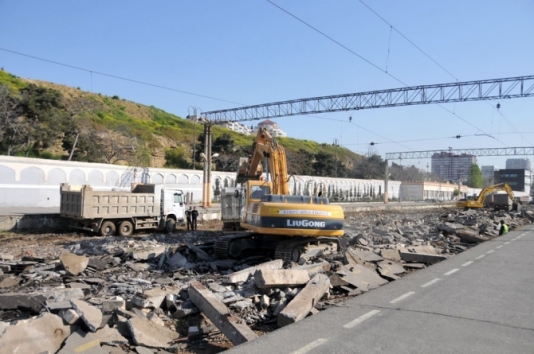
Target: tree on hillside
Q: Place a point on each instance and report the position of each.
(406, 173)
(370, 167)
(324, 164)
(11, 128)
(475, 179)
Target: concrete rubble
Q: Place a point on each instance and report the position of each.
(167, 293)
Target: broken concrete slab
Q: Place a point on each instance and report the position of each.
(243, 275)
(70, 316)
(470, 235)
(156, 296)
(362, 277)
(90, 315)
(391, 254)
(81, 342)
(13, 301)
(201, 254)
(146, 333)
(63, 294)
(279, 278)
(390, 269)
(421, 257)
(109, 306)
(108, 335)
(72, 263)
(177, 261)
(301, 305)
(147, 253)
(42, 334)
(232, 327)
(315, 268)
(9, 282)
(364, 255)
(58, 305)
(414, 265)
(79, 285)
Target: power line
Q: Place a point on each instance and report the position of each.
(119, 77)
(412, 43)
(336, 42)
(374, 65)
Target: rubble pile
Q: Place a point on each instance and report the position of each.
(168, 293)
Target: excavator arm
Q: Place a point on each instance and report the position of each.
(251, 168)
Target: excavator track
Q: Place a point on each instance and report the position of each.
(287, 249)
(222, 247)
(292, 249)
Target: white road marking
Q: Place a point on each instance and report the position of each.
(433, 281)
(499, 246)
(467, 263)
(481, 256)
(507, 242)
(491, 251)
(310, 346)
(402, 297)
(361, 319)
(451, 271)
(512, 239)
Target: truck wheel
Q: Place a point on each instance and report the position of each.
(170, 226)
(108, 229)
(126, 228)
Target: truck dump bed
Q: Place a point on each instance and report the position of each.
(86, 203)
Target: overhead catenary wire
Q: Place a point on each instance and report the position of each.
(373, 64)
(120, 77)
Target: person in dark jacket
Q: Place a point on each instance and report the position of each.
(504, 228)
(194, 216)
(188, 216)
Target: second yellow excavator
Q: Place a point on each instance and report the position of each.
(271, 219)
(479, 202)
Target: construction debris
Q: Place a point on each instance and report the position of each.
(168, 293)
(301, 305)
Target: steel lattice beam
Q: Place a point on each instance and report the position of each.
(511, 87)
(477, 152)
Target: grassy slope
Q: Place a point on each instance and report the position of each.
(155, 127)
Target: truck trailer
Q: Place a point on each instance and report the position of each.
(145, 206)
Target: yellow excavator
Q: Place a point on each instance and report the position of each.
(272, 220)
(479, 202)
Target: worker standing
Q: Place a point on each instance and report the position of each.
(188, 216)
(504, 228)
(194, 215)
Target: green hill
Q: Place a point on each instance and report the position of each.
(43, 119)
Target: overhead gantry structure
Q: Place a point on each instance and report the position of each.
(510, 87)
(508, 151)
(492, 89)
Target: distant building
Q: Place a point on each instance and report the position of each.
(237, 127)
(488, 174)
(451, 167)
(272, 128)
(518, 164)
(519, 179)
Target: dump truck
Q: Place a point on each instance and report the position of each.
(502, 201)
(145, 206)
(271, 219)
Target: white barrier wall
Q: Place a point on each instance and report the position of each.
(30, 182)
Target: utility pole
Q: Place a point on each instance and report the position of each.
(206, 186)
(386, 180)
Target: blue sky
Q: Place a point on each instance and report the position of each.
(251, 52)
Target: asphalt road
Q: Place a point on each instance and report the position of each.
(480, 301)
